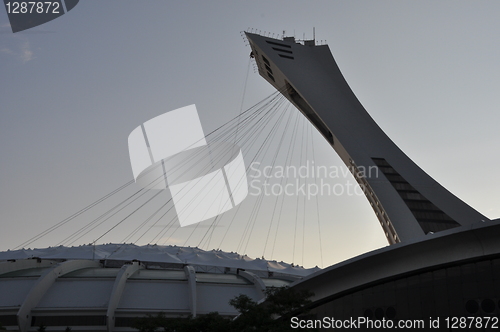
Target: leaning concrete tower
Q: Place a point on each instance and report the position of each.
(407, 201)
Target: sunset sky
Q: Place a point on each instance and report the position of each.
(73, 89)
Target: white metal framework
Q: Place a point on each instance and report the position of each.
(59, 287)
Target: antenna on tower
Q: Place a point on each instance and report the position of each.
(314, 34)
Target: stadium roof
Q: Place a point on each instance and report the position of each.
(159, 254)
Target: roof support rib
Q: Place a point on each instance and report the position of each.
(191, 277)
(121, 279)
(43, 284)
(256, 280)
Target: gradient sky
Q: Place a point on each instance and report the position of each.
(73, 89)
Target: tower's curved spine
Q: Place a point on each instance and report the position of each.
(407, 201)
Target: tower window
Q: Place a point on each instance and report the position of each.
(278, 44)
(265, 60)
(281, 50)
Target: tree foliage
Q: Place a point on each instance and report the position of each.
(271, 316)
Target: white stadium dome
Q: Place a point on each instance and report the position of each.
(106, 287)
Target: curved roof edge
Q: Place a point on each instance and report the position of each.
(439, 249)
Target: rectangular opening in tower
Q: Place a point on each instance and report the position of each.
(429, 216)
